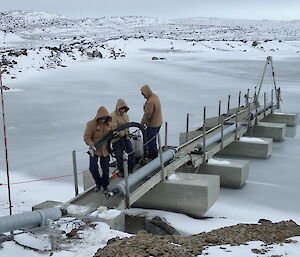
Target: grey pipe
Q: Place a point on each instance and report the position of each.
(30, 219)
(261, 109)
(216, 138)
(144, 171)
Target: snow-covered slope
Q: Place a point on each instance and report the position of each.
(40, 25)
(38, 40)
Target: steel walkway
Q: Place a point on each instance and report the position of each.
(185, 153)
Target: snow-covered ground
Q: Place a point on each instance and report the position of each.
(47, 109)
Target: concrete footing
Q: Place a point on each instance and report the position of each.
(290, 119)
(249, 147)
(192, 194)
(114, 218)
(46, 204)
(276, 131)
(233, 173)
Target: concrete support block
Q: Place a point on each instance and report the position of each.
(192, 194)
(190, 135)
(46, 204)
(276, 131)
(114, 218)
(290, 119)
(233, 173)
(249, 147)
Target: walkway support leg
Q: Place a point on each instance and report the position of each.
(125, 167)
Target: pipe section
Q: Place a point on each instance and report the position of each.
(261, 109)
(144, 171)
(215, 138)
(30, 219)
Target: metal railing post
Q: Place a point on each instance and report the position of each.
(236, 115)
(5, 142)
(75, 172)
(256, 114)
(187, 126)
(204, 136)
(162, 166)
(249, 111)
(125, 168)
(219, 111)
(272, 100)
(278, 97)
(222, 131)
(265, 103)
(166, 134)
(228, 104)
(236, 124)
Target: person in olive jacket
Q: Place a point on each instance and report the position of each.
(96, 129)
(152, 119)
(122, 141)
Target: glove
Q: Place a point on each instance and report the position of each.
(116, 133)
(143, 124)
(92, 150)
(130, 135)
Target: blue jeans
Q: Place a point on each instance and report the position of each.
(152, 145)
(119, 147)
(94, 169)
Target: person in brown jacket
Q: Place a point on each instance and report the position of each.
(152, 119)
(122, 142)
(96, 129)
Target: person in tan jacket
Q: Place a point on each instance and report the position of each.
(97, 129)
(122, 142)
(152, 119)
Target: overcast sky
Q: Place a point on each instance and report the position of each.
(248, 9)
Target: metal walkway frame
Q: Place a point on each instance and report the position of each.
(184, 154)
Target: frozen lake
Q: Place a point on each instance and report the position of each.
(47, 111)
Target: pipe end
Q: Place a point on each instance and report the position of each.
(64, 212)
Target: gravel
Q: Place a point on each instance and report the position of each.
(145, 244)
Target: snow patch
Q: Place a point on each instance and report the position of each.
(77, 209)
(251, 140)
(218, 162)
(173, 177)
(29, 240)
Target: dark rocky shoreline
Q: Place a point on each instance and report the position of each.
(145, 244)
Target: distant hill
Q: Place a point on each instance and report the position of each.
(44, 26)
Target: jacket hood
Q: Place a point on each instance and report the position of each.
(102, 111)
(121, 103)
(146, 91)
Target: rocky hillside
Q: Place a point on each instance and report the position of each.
(39, 40)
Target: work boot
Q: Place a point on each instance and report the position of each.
(105, 190)
(97, 188)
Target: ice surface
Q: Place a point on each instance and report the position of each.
(46, 113)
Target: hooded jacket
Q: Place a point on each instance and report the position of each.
(96, 130)
(120, 119)
(152, 108)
